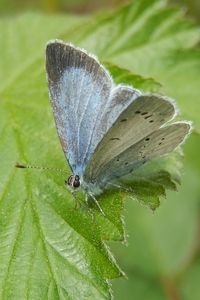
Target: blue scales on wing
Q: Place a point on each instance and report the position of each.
(85, 101)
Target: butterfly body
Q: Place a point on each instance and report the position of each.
(106, 130)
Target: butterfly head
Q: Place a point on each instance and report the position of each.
(73, 181)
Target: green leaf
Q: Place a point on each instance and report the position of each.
(50, 249)
(122, 75)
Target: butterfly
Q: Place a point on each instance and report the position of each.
(106, 130)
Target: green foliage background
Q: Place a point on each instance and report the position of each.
(44, 252)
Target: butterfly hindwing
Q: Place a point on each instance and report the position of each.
(143, 116)
(160, 142)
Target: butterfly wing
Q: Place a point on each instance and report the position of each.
(82, 94)
(143, 116)
(159, 142)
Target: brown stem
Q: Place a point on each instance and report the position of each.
(170, 288)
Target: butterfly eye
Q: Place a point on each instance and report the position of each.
(73, 181)
(76, 182)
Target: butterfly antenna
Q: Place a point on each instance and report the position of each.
(21, 166)
(97, 203)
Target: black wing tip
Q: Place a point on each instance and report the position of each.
(56, 43)
(57, 57)
(60, 55)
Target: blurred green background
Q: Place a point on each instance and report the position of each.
(53, 6)
(81, 6)
(162, 258)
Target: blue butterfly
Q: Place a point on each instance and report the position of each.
(106, 130)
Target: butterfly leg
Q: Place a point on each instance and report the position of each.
(89, 209)
(97, 203)
(78, 203)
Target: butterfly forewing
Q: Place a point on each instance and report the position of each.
(79, 87)
(143, 116)
(84, 99)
